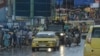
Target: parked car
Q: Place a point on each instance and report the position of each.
(92, 44)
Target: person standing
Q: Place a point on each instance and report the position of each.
(30, 36)
(14, 39)
(1, 38)
(6, 39)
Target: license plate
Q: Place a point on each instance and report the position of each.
(42, 45)
(42, 49)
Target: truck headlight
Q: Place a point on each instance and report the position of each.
(61, 34)
(34, 41)
(51, 41)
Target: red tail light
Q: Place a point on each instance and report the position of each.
(89, 40)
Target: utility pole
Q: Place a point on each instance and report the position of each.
(66, 11)
(14, 4)
(59, 10)
(9, 10)
(32, 12)
(13, 12)
(53, 9)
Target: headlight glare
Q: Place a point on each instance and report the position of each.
(61, 34)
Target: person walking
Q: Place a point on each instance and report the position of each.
(14, 39)
(11, 38)
(25, 33)
(18, 35)
(6, 39)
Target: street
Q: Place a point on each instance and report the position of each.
(39, 27)
(63, 51)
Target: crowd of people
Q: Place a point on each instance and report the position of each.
(80, 15)
(15, 37)
(77, 14)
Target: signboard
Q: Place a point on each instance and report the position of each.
(21, 18)
(22, 7)
(59, 2)
(42, 8)
(94, 5)
(79, 3)
(97, 1)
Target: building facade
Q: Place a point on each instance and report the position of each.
(3, 18)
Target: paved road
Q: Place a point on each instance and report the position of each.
(64, 51)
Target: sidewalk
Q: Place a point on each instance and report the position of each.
(2, 48)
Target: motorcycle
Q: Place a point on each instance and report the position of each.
(77, 38)
(68, 41)
(62, 38)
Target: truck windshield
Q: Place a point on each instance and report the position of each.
(44, 36)
(96, 32)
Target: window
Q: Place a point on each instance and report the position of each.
(96, 32)
(45, 35)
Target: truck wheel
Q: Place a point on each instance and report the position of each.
(69, 45)
(77, 43)
(33, 49)
(37, 49)
(55, 48)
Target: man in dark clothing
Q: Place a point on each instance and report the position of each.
(14, 39)
(77, 31)
(1, 38)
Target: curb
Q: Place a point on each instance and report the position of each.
(5, 48)
(2, 48)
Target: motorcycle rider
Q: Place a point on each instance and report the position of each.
(77, 35)
(69, 38)
(62, 40)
